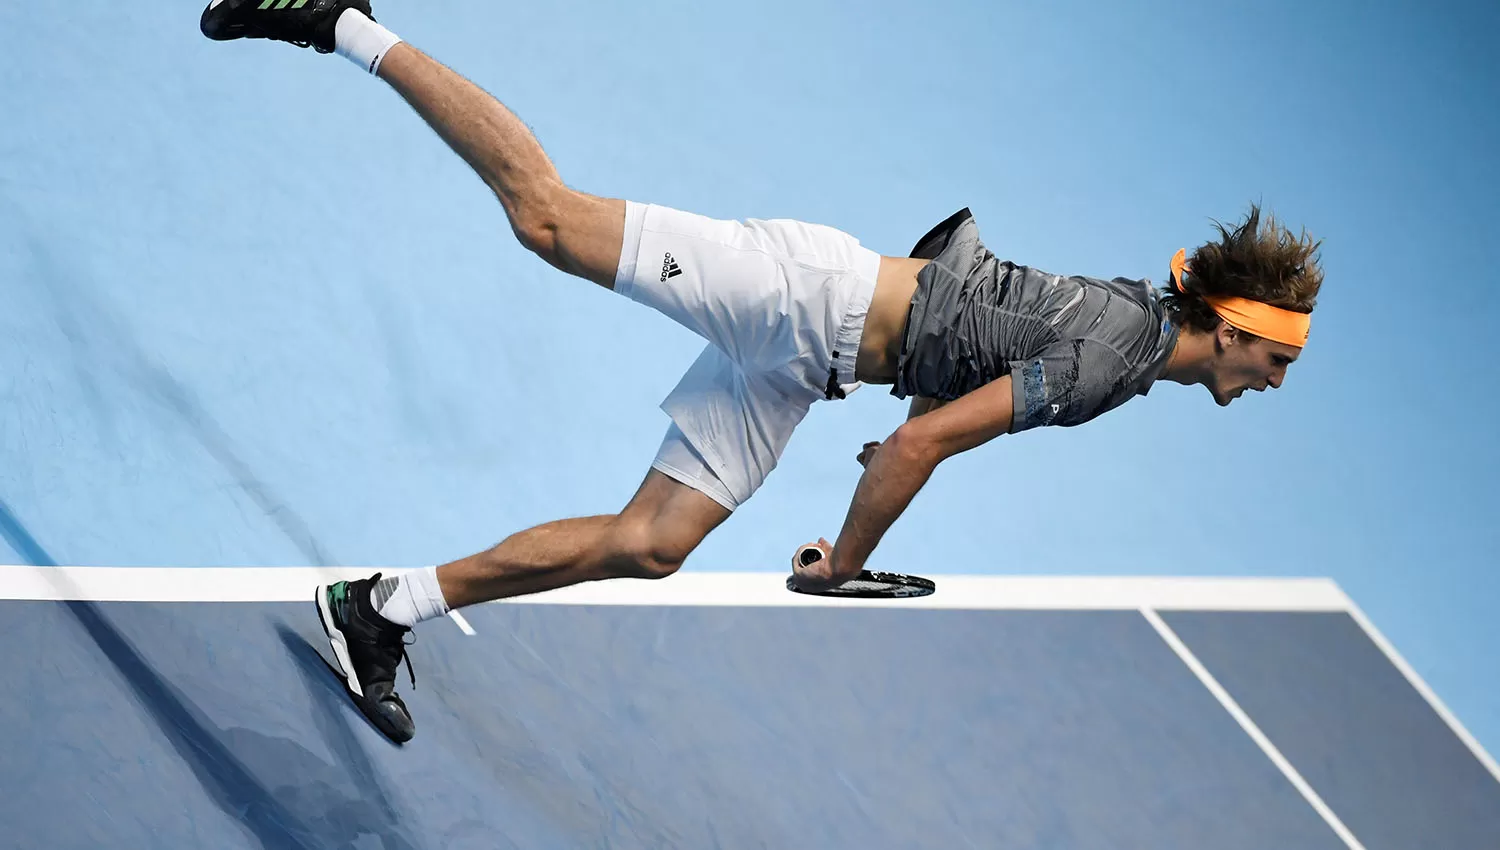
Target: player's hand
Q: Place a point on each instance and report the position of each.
(812, 565)
(868, 453)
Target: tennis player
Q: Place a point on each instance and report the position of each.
(792, 314)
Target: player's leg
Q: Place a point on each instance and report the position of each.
(728, 281)
(650, 538)
(728, 432)
(576, 232)
(573, 231)
(751, 288)
(367, 620)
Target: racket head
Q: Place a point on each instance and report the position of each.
(873, 585)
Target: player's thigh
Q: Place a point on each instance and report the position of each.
(727, 434)
(734, 424)
(763, 292)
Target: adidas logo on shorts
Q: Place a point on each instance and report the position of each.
(669, 268)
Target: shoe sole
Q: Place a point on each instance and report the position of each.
(337, 642)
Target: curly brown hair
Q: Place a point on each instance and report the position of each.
(1258, 260)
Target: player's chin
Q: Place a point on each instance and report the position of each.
(1226, 399)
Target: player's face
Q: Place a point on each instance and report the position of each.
(1245, 363)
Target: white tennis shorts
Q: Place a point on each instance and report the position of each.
(782, 306)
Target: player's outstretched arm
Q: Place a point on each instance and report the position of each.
(902, 466)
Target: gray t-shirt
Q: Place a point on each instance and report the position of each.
(1075, 347)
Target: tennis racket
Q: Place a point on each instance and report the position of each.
(867, 585)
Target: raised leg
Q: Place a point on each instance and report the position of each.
(576, 232)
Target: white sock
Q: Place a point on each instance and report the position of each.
(409, 598)
(361, 40)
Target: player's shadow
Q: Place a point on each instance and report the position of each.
(331, 713)
(283, 795)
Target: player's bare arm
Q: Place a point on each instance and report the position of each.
(920, 405)
(902, 466)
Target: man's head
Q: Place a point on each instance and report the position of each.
(1243, 361)
(1257, 275)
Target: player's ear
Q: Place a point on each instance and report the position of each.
(1228, 336)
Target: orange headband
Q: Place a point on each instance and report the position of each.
(1273, 323)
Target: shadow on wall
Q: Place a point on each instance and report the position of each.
(101, 343)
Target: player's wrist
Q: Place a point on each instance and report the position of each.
(843, 565)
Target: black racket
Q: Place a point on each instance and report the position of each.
(867, 585)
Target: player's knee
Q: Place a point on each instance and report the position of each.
(655, 562)
(642, 550)
(535, 230)
(536, 218)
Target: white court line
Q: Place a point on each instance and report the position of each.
(294, 584)
(1250, 728)
(1422, 688)
(463, 624)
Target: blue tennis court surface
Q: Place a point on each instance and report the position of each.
(193, 708)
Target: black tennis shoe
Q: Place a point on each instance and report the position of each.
(305, 23)
(367, 648)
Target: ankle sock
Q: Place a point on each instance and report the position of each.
(361, 40)
(409, 598)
